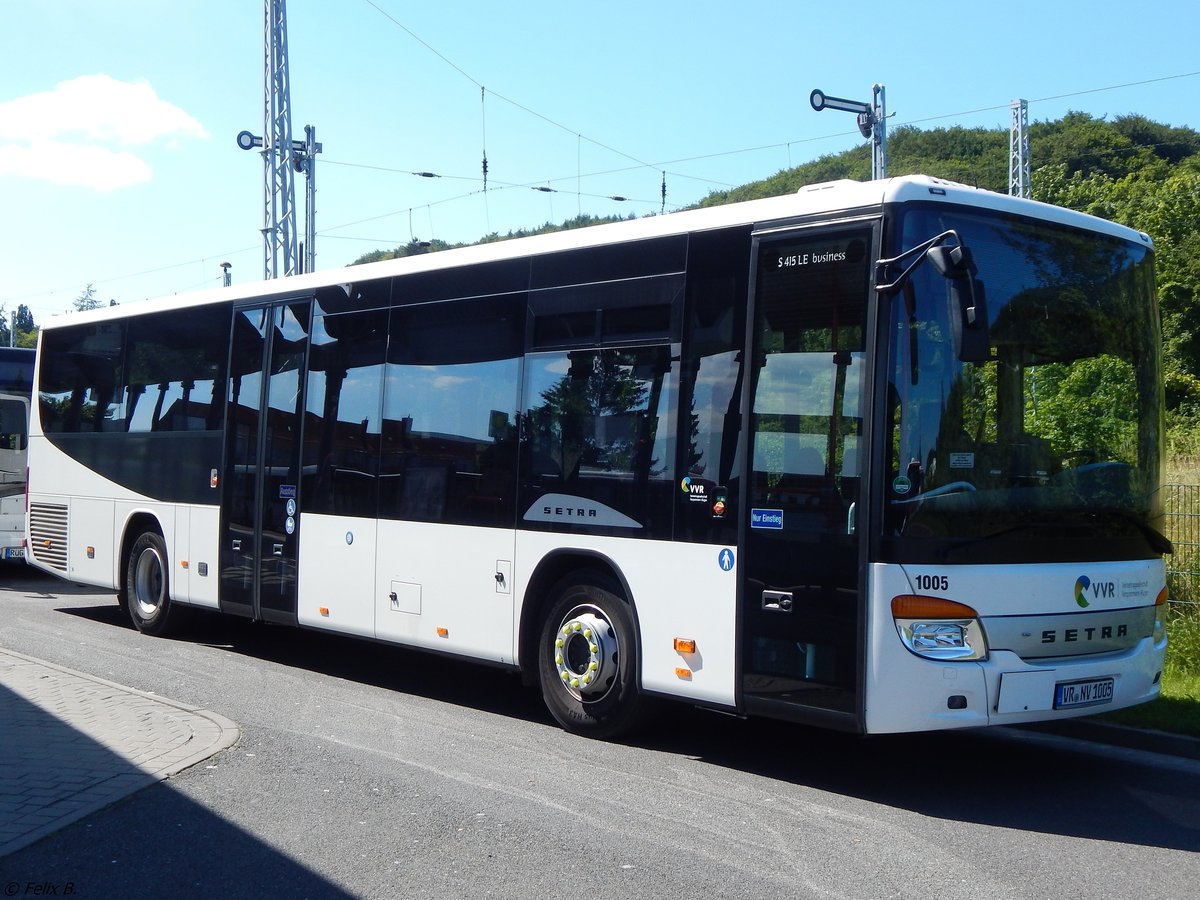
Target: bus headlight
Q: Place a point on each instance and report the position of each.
(939, 629)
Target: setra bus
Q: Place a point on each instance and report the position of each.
(16, 383)
(881, 457)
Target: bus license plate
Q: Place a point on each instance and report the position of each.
(1083, 693)
(14, 552)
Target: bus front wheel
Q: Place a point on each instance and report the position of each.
(147, 585)
(587, 659)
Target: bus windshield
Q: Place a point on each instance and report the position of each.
(1049, 447)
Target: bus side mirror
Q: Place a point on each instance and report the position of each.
(968, 305)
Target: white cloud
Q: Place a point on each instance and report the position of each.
(79, 133)
(71, 164)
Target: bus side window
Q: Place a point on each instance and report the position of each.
(450, 392)
(600, 426)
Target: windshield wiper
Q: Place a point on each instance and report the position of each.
(1158, 541)
(985, 538)
(1155, 538)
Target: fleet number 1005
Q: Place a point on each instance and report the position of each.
(933, 583)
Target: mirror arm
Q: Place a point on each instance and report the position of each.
(882, 266)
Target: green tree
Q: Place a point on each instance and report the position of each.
(87, 299)
(26, 331)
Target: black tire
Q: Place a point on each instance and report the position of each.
(147, 596)
(587, 659)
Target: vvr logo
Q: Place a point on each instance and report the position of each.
(1101, 590)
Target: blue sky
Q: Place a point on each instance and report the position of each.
(119, 166)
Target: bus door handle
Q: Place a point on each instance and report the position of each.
(236, 545)
(777, 601)
(277, 549)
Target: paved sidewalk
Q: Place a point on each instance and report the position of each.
(71, 744)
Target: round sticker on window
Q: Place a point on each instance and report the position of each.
(901, 484)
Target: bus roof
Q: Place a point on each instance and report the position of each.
(829, 198)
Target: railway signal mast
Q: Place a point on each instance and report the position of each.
(872, 122)
(282, 157)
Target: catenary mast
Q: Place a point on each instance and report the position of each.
(1019, 183)
(282, 157)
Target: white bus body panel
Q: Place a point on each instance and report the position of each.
(442, 576)
(98, 515)
(202, 578)
(336, 572)
(906, 692)
(679, 590)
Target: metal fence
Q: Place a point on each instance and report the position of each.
(1183, 528)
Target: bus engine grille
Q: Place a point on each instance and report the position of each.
(48, 535)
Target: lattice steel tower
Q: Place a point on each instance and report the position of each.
(282, 157)
(1019, 183)
(279, 189)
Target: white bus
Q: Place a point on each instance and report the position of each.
(877, 456)
(16, 382)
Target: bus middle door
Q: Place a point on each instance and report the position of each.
(261, 480)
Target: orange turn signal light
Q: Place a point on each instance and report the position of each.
(915, 606)
(685, 645)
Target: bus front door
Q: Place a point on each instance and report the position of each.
(261, 481)
(801, 596)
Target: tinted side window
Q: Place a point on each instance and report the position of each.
(343, 414)
(176, 365)
(81, 378)
(628, 311)
(13, 433)
(655, 256)
(714, 331)
(599, 441)
(16, 370)
(507, 276)
(450, 412)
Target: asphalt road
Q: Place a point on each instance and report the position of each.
(366, 770)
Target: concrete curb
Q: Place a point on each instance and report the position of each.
(74, 743)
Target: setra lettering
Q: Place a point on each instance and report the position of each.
(568, 512)
(1072, 635)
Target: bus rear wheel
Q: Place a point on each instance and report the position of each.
(147, 586)
(587, 659)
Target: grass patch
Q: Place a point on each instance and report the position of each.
(1177, 710)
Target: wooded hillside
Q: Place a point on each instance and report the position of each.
(1129, 170)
